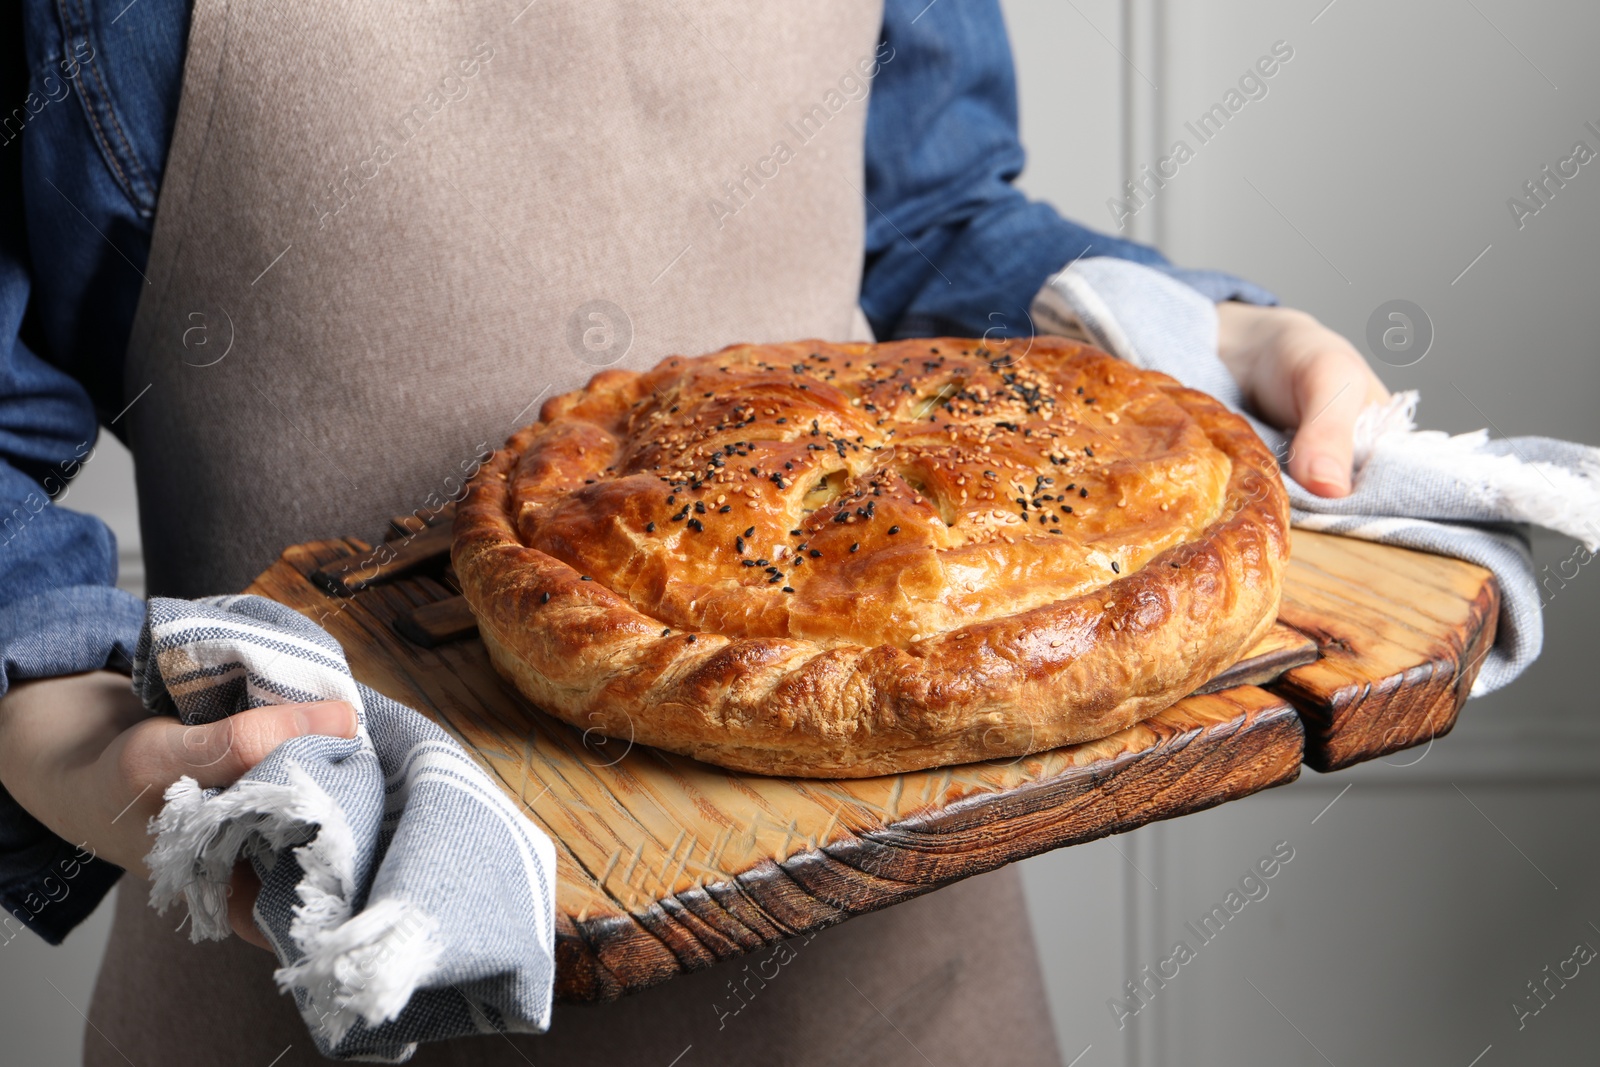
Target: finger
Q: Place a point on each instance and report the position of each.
(1329, 393)
(216, 754)
(242, 891)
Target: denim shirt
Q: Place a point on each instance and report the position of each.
(90, 97)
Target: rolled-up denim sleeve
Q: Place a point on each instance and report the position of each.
(953, 246)
(60, 610)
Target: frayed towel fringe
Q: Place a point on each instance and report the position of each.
(364, 965)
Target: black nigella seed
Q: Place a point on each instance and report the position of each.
(691, 639)
(697, 526)
(794, 533)
(749, 563)
(667, 631)
(1083, 492)
(738, 545)
(815, 554)
(649, 527)
(724, 509)
(699, 507)
(755, 470)
(775, 578)
(855, 546)
(1088, 451)
(585, 578)
(544, 598)
(788, 589)
(1114, 568)
(671, 500)
(1067, 508)
(750, 532)
(761, 563)
(894, 529)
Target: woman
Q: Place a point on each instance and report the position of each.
(307, 259)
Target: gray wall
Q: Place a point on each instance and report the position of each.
(1418, 905)
(1377, 166)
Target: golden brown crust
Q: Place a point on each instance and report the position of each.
(848, 560)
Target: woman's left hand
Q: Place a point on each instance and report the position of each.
(1301, 376)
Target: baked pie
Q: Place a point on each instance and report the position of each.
(843, 560)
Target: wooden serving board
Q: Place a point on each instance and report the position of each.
(667, 865)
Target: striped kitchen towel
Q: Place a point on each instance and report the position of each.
(1464, 496)
(407, 897)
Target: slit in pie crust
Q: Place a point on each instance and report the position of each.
(843, 560)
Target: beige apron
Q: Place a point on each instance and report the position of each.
(386, 232)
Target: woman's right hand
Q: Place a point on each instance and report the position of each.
(83, 756)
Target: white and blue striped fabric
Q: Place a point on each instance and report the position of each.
(407, 897)
(1464, 496)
